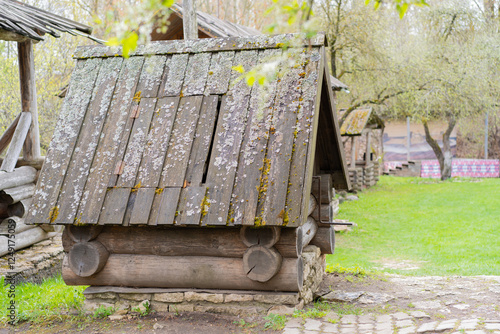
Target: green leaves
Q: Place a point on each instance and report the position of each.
(401, 5)
(136, 24)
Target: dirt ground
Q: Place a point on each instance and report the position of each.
(439, 297)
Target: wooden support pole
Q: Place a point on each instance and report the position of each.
(19, 209)
(31, 148)
(14, 195)
(308, 232)
(8, 134)
(203, 272)
(16, 144)
(25, 239)
(313, 204)
(37, 164)
(368, 148)
(353, 152)
(190, 24)
(19, 177)
(19, 224)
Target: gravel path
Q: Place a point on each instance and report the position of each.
(403, 305)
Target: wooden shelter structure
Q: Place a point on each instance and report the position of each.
(169, 171)
(360, 123)
(25, 25)
(209, 26)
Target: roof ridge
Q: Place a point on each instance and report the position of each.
(257, 42)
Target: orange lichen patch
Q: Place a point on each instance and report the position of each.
(54, 212)
(137, 97)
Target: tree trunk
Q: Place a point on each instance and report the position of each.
(443, 155)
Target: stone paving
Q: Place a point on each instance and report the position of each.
(396, 323)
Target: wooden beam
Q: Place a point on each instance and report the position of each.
(353, 152)
(16, 145)
(190, 25)
(8, 134)
(31, 149)
(202, 272)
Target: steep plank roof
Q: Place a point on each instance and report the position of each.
(355, 122)
(175, 137)
(19, 21)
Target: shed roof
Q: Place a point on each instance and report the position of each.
(211, 25)
(355, 122)
(337, 84)
(176, 138)
(20, 21)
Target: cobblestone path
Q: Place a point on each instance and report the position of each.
(396, 323)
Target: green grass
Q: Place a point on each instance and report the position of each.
(444, 228)
(50, 300)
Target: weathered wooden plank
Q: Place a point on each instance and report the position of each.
(44, 209)
(8, 134)
(181, 141)
(196, 74)
(254, 147)
(219, 73)
(151, 76)
(227, 143)
(18, 177)
(81, 161)
(157, 142)
(173, 76)
(314, 96)
(300, 157)
(197, 165)
(142, 206)
(163, 211)
(205, 45)
(16, 145)
(114, 207)
(191, 205)
(117, 124)
(280, 145)
(137, 143)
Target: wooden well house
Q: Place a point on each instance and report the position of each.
(169, 171)
(361, 126)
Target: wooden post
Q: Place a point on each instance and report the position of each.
(368, 150)
(8, 134)
(486, 136)
(190, 25)
(408, 139)
(353, 152)
(31, 149)
(16, 145)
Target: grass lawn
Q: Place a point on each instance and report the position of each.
(41, 302)
(443, 228)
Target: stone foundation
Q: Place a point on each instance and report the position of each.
(234, 302)
(35, 263)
